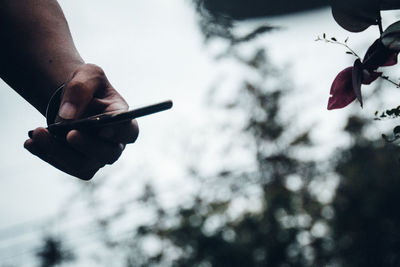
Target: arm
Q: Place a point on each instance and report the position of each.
(37, 53)
(36, 57)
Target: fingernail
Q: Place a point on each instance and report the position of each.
(67, 111)
(30, 134)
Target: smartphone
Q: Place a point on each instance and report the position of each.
(106, 119)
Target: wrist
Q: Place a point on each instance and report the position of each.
(59, 73)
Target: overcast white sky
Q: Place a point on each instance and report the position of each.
(152, 50)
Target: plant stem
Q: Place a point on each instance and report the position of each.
(343, 44)
(379, 21)
(389, 80)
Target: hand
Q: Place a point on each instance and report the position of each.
(82, 154)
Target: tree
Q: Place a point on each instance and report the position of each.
(53, 253)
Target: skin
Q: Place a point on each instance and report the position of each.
(36, 57)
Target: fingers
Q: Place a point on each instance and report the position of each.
(83, 154)
(61, 155)
(96, 148)
(125, 133)
(79, 91)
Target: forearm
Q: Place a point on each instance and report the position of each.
(37, 53)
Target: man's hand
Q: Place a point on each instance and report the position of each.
(82, 154)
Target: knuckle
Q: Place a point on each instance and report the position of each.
(96, 71)
(95, 68)
(77, 85)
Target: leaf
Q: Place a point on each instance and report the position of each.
(396, 130)
(392, 42)
(324, 36)
(369, 77)
(377, 55)
(355, 16)
(342, 93)
(334, 39)
(391, 60)
(357, 76)
(372, 49)
(391, 37)
(393, 28)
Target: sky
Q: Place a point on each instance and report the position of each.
(152, 50)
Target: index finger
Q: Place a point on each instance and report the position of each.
(79, 92)
(125, 132)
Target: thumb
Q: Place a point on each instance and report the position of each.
(78, 93)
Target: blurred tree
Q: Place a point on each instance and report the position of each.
(53, 253)
(287, 222)
(365, 227)
(277, 223)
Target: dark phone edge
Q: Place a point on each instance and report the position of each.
(130, 115)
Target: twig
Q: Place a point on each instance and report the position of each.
(379, 22)
(333, 40)
(389, 80)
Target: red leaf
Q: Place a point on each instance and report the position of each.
(342, 92)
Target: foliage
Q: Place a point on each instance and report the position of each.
(356, 16)
(277, 232)
(52, 253)
(365, 225)
(347, 85)
(292, 225)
